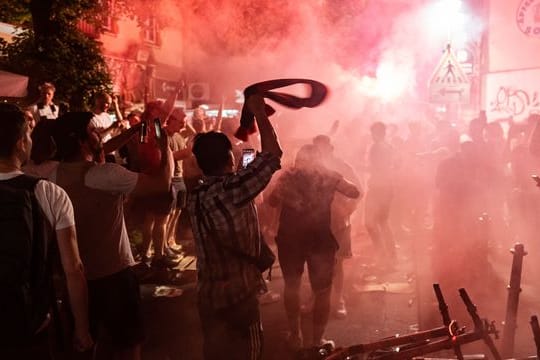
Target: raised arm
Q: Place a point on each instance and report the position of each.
(120, 140)
(116, 109)
(168, 107)
(269, 140)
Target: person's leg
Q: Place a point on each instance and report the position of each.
(234, 332)
(147, 229)
(172, 223)
(371, 222)
(321, 270)
(158, 235)
(343, 237)
(291, 262)
(340, 309)
(387, 237)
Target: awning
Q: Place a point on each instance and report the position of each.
(12, 85)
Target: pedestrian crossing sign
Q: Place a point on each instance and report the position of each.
(449, 84)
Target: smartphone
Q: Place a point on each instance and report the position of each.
(536, 178)
(143, 133)
(248, 155)
(157, 126)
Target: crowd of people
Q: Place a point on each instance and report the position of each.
(93, 178)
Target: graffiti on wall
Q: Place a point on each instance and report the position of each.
(515, 102)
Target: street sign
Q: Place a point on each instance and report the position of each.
(449, 83)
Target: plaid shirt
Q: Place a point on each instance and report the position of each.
(226, 231)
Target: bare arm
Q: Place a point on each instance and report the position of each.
(168, 107)
(116, 109)
(182, 154)
(269, 141)
(219, 120)
(160, 182)
(76, 284)
(348, 189)
(118, 141)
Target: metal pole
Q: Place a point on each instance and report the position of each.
(512, 303)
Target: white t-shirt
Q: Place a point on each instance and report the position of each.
(46, 111)
(53, 200)
(102, 121)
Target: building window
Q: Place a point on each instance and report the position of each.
(108, 17)
(151, 30)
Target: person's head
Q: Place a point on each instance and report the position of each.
(134, 118)
(476, 130)
(176, 121)
(15, 140)
(46, 92)
(199, 113)
(102, 102)
(44, 145)
(324, 144)
(30, 118)
(378, 131)
(77, 138)
(152, 110)
(213, 151)
(307, 157)
(198, 125)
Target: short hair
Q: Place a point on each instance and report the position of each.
(46, 86)
(13, 127)
(102, 95)
(211, 150)
(378, 128)
(71, 129)
(322, 139)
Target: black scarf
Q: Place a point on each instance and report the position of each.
(247, 120)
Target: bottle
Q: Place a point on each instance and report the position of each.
(143, 133)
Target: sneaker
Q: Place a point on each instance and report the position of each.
(170, 253)
(341, 310)
(176, 248)
(326, 347)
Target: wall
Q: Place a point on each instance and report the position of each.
(512, 81)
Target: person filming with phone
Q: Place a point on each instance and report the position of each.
(227, 236)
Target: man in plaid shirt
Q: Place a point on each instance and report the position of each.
(227, 236)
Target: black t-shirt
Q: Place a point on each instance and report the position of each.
(305, 213)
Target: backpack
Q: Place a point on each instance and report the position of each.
(25, 281)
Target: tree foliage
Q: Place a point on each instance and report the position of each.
(52, 48)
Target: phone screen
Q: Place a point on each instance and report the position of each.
(157, 126)
(248, 155)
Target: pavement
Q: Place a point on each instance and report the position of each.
(380, 305)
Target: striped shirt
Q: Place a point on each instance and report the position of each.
(226, 230)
